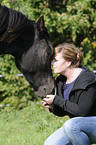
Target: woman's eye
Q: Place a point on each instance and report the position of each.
(56, 60)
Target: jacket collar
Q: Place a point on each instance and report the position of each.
(84, 79)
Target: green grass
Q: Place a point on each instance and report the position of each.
(29, 126)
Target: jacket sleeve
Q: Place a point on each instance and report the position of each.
(57, 111)
(82, 107)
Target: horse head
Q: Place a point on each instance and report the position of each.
(28, 41)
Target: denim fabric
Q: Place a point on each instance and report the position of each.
(81, 130)
(76, 131)
(57, 138)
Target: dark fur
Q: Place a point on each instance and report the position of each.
(29, 43)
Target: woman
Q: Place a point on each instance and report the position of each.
(75, 96)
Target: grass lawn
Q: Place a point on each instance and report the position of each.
(29, 126)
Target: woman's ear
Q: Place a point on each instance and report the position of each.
(68, 63)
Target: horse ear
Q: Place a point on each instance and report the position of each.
(40, 23)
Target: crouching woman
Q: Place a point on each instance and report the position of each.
(75, 96)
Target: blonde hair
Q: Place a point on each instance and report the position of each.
(70, 53)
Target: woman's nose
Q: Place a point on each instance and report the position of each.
(52, 63)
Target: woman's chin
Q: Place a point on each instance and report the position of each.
(56, 72)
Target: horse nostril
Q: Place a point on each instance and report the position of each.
(44, 89)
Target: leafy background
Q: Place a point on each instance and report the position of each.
(74, 22)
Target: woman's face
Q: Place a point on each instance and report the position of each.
(59, 64)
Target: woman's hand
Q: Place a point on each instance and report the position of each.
(49, 99)
(47, 102)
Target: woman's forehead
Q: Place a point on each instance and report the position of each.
(58, 55)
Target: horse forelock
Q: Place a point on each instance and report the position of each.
(12, 23)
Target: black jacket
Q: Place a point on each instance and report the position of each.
(82, 98)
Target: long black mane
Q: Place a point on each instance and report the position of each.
(12, 23)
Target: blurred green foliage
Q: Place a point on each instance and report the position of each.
(75, 22)
(14, 90)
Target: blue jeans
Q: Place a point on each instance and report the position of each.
(76, 131)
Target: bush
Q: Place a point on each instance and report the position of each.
(14, 90)
(75, 22)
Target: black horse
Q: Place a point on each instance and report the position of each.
(29, 43)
